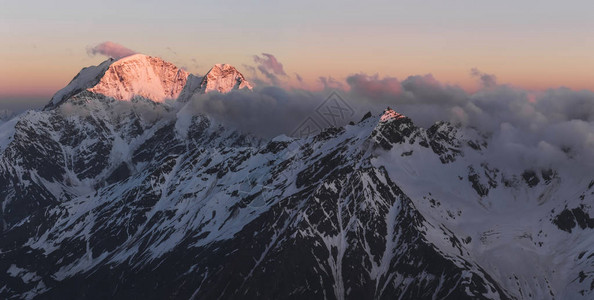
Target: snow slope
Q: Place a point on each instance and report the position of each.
(141, 75)
(86, 78)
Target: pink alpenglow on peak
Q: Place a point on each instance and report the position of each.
(151, 78)
(223, 78)
(141, 75)
(390, 114)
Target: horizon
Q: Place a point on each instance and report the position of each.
(261, 73)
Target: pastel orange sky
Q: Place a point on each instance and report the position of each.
(530, 45)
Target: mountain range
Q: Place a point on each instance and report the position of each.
(118, 189)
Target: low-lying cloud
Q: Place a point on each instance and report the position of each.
(487, 80)
(266, 111)
(524, 128)
(110, 49)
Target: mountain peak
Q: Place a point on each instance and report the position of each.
(223, 66)
(390, 114)
(141, 75)
(223, 78)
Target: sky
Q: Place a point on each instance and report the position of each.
(534, 45)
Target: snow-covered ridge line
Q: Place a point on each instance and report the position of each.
(86, 78)
(151, 78)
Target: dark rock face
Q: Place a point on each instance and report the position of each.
(394, 132)
(569, 218)
(530, 178)
(443, 141)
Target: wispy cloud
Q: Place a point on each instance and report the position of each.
(110, 49)
(487, 80)
(270, 64)
(270, 67)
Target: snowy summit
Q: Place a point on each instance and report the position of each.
(223, 78)
(149, 77)
(390, 114)
(142, 75)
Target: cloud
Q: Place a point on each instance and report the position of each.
(252, 75)
(144, 109)
(487, 80)
(110, 49)
(269, 75)
(269, 64)
(524, 130)
(250, 70)
(374, 87)
(266, 111)
(273, 110)
(330, 83)
(268, 71)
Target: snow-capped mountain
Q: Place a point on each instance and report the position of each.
(223, 78)
(102, 199)
(150, 78)
(141, 76)
(137, 75)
